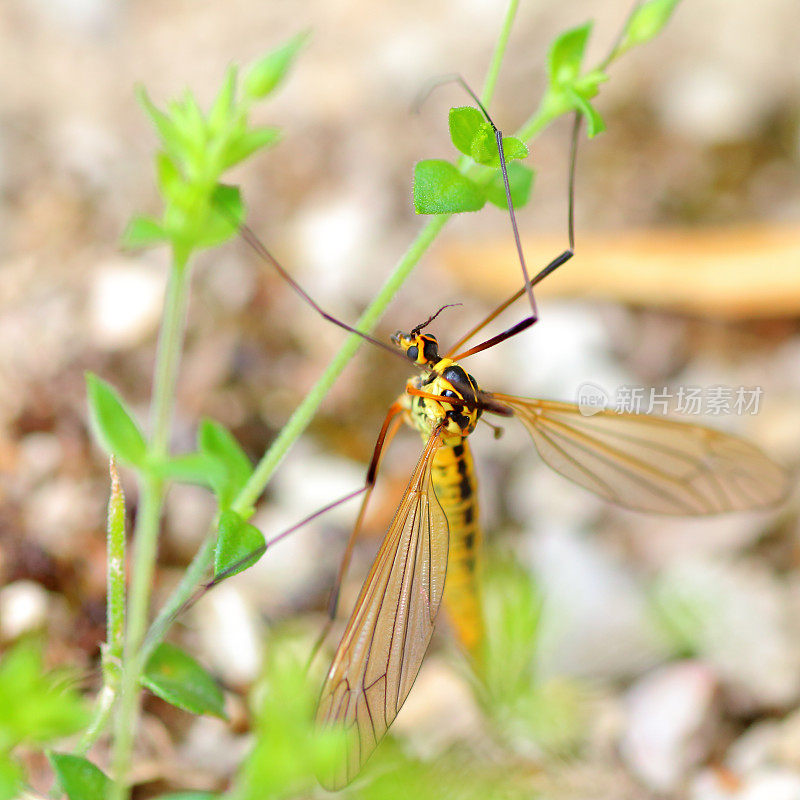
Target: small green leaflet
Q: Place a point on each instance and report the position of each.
(268, 73)
(484, 147)
(645, 23)
(464, 123)
(594, 122)
(239, 545)
(566, 54)
(520, 182)
(568, 88)
(196, 468)
(176, 677)
(113, 424)
(79, 778)
(439, 188)
(143, 231)
(248, 143)
(224, 217)
(233, 466)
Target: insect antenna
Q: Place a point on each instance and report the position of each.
(430, 319)
(260, 248)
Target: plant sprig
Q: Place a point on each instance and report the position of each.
(200, 211)
(443, 187)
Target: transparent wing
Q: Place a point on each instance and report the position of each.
(649, 463)
(388, 633)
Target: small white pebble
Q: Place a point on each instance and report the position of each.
(124, 303)
(23, 608)
(672, 718)
(231, 634)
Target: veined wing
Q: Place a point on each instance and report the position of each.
(388, 633)
(649, 463)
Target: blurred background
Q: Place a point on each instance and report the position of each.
(667, 651)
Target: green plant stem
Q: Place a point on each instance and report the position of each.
(168, 356)
(126, 721)
(499, 51)
(541, 118)
(101, 716)
(115, 613)
(147, 523)
(181, 594)
(115, 578)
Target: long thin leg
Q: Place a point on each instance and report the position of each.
(543, 273)
(384, 438)
(256, 554)
(551, 267)
(388, 430)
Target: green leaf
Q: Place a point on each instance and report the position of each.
(588, 85)
(566, 54)
(193, 121)
(143, 231)
(113, 425)
(514, 148)
(196, 468)
(439, 188)
(35, 705)
(239, 545)
(234, 467)
(464, 123)
(248, 143)
(170, 180)
(265, 75)
(11, 778)
(167, 131)
(177, 678)
(224, 105)
(594, 122)
(645, 23)
(79, 778)
(484, 147)
(520, 181)
(224, 217)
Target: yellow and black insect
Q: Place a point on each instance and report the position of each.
(640, 462)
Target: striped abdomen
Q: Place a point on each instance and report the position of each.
(454, 482)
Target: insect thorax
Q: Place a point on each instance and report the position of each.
(446, 380)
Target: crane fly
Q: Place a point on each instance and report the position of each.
(640, 462)
(645, 463)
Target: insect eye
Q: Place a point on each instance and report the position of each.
(412, 353)
(449, 393)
